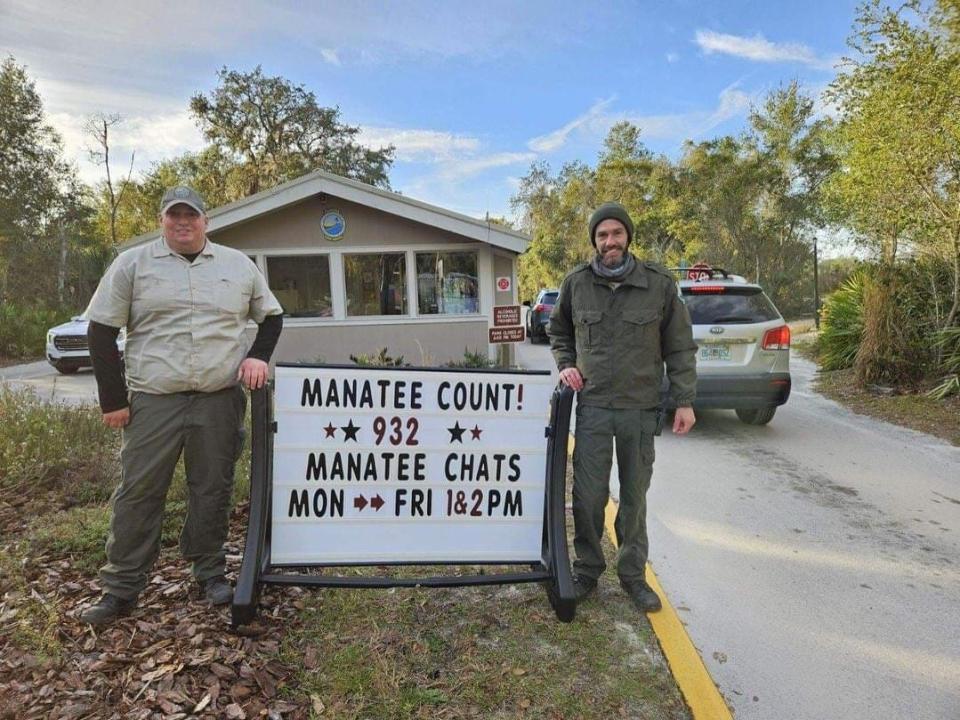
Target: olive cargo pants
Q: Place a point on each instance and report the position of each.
(592, 460)
(207, 428)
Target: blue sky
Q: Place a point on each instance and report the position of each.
(470, 93)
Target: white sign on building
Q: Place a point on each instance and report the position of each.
(374, 465)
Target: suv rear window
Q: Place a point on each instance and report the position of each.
(549, 298)
(732, 306)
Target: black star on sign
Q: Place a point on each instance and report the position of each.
(331, 430)
(350, 431)
(456, 432)
(476, 432)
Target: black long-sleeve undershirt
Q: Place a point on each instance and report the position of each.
(108, 367)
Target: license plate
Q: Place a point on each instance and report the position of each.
(715, 352)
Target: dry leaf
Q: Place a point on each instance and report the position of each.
(235, 712)
(317, 704)
(204, 701)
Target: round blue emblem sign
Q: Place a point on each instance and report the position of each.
(333, 225)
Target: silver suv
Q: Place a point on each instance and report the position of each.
(67, 345)
(743, 360)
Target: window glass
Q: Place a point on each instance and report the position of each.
(447, 283)
(741, 305)
(376, 284)
(302, 284)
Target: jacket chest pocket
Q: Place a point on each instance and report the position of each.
(641, 328)
(587, 328)
(157, 294)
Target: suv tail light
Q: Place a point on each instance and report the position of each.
(776, 338)
(539, 307)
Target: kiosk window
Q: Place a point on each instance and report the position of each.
(376, 284)
(302, 284)
(447, 283)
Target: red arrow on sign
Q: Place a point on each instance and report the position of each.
(376, 502)
(360, 502)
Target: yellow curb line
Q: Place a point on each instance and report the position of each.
(692, 677)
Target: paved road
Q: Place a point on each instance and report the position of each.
(814, 561)
(48, 384)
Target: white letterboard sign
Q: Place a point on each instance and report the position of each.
(397, 466)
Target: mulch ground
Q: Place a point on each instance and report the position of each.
(173, 657)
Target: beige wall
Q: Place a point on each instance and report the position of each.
(428, 340)
(298, 226)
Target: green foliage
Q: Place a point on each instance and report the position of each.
(55, 447)
(23, 329)
(841, 324)
(381, 359)
(473, 359)
(948, 344)
(276, 131)
(78, 534)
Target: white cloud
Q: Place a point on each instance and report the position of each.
(672, 57)
(760, 49)
(460, 169)
(330, 56)
(589, 121)
(430, 146)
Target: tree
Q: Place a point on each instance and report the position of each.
(274, 131)
(98, 128)
(900, 136)
(40, 199)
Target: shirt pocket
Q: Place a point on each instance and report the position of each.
(587, 328)
(641, 329)
(157, 294)
(232, 297)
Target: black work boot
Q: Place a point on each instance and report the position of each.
(216, 590)
(583, 587)
(642, 595)
(108, 608)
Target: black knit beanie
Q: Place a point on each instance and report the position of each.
(611, 211)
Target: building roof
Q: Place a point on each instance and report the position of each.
(317, 182)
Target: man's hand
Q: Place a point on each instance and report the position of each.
(683, 420)
(117, 419)
(253, 373)
(572, 378)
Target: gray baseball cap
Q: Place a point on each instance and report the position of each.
(181, 194)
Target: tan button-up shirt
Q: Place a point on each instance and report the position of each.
(185, 321)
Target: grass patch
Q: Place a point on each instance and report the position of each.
(940, 418)
(77, 534)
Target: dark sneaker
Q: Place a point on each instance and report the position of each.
(642, 595)
(216, 590)
(108, 608)
(583, 587)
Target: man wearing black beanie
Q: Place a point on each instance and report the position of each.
(617, 323)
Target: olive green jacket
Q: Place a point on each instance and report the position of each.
(620, 339)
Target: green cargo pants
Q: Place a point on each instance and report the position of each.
(207, 428)
(592, 460)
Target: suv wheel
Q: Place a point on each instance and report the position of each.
(65, 369)
(759, 416)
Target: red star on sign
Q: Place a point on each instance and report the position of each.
(331, 430)
(476, 432)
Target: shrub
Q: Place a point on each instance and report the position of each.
(55, 447)
(23, 329)
(472, 359)
(841, 327)
(381, 359)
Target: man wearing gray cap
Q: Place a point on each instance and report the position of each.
(617, 321)
(185, 303)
